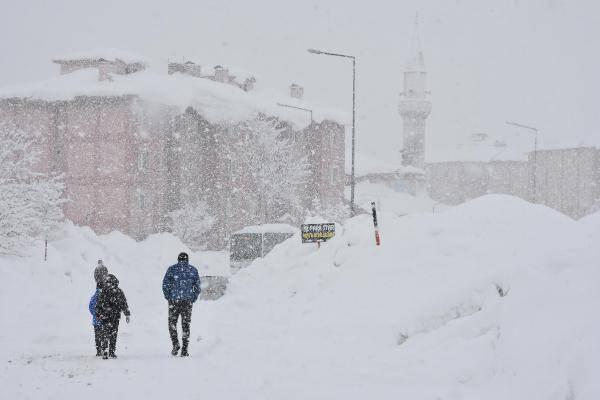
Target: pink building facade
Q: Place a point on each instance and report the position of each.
(127, 164)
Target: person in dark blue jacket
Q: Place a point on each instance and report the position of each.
(96, 322)
(181, 287)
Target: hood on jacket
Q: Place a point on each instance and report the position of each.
(112, 281)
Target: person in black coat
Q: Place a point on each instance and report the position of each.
(111, 303)
(181, 287)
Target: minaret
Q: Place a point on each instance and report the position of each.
(414, 105)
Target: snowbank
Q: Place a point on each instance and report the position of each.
(494, 299)
(389, 200)
(268, 228)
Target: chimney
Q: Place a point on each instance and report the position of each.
(175, 67)
(296, 91)
(188, 68)
(221, 74)
(192, 69)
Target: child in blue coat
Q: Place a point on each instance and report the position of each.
(96, 322)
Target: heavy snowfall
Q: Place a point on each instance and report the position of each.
(408, 210)
(495, 299)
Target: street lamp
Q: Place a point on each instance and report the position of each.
(535, 131)
(298, 108)
(352, 178)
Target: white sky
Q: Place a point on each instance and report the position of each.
(535, 62)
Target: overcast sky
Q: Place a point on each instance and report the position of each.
(535, 62)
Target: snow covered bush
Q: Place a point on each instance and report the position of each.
(191, 224)
(30, 202)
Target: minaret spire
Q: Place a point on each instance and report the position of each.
(414, 107)
(416, 61)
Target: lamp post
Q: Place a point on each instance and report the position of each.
(352, 178)
(535, 131)
(298, 108)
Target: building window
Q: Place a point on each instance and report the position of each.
(143, 160)
(141, 199)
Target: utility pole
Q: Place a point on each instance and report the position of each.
(352, 175)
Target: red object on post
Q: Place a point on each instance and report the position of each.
(377, 237)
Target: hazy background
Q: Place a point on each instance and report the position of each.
(536, 62)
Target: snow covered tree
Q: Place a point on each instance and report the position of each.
(335, 213)
(191, 224)
(278, 174)
(30, 202)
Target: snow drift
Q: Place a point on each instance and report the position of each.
(494, 299)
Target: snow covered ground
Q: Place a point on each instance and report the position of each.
(494, 299)
(389, 200)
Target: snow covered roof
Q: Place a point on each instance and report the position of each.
(108, 54)
(383, 167)
(482, 148)
(268, 228)
(466, 153)
(217, 102)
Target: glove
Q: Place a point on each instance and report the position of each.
(127, 318)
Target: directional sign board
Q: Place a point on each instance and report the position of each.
(314, 233)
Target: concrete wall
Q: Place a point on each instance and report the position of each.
(567, 180)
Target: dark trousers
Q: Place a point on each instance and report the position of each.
(98, 338)
(177, 308)
(108, 336)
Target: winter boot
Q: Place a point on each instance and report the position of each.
(105, 355)
(175, 350)
(184, 349)
(112, 355)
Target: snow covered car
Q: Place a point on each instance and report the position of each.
(256, 241)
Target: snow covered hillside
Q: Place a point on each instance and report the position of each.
(494, 299)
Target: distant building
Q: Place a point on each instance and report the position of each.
(296, 91)
(567, 180)
(106, 61)
(137, 148)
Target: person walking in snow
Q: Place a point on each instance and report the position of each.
(111, 303)
(181, 287)
(96, 322)
(100, 274)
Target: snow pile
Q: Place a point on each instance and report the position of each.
(268, 228)
(494, 299)
(392, 201)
